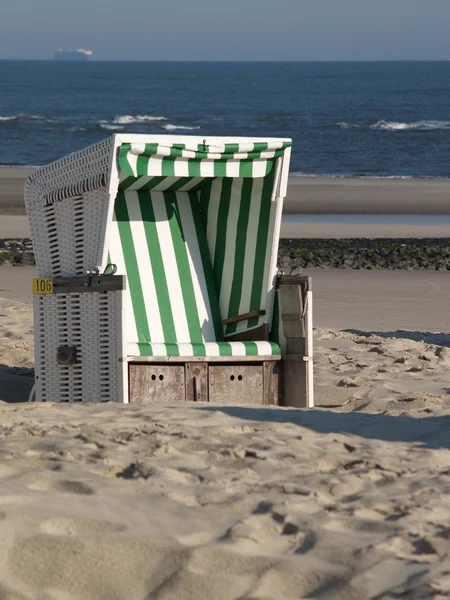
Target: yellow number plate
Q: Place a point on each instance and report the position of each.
(42, 286)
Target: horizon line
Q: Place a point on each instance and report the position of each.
(332, 60)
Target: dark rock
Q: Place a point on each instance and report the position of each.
(361, 253)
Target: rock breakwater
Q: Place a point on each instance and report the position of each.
(16, 251)
(358, 253)
(361, 253)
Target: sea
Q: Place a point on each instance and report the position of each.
(346, 119)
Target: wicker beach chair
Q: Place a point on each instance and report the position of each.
(156, 258)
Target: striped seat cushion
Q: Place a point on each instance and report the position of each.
(207, 349)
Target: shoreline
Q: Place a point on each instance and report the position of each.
(309, 197)
(306, 195)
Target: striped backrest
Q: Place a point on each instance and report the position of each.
(239, 218)
(158, 241)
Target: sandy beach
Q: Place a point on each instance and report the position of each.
(348, 501)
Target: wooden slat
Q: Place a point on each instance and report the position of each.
(244, 317)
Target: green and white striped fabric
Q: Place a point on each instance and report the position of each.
(162, 184)
(193, 230)
(239, 218)
(276, 332)
(207, 349)
(158, 241)
(247, 159)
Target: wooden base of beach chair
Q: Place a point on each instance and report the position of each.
(203, 381)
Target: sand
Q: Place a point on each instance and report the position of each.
(347, 501)
(114, 502)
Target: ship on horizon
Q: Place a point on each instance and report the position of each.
(79, 55)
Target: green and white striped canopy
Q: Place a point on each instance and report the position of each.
(193, 231)
(254, 159)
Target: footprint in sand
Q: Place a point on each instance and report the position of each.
(14, 500)
(7, 471)
(198, 538)
(78, 526)
(73, 487)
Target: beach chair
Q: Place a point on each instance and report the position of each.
(157, 280)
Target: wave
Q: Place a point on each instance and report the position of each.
(399, 126)
(119, 123)
(23, 117)
(417, 125)
(127, 119)
(110, 126)
(170, 127)
(344, 125)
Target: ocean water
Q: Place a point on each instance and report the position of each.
(346, 119)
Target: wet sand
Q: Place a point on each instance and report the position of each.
(311, 195)
(307, 195)
(12, 180)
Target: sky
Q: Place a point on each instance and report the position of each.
(227, 29)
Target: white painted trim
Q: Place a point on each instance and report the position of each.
(285, 172)
(139, 138)
(309, 350)
(112, 186)
(275, 243)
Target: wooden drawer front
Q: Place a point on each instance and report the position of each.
(156, 383)
(236, 384)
